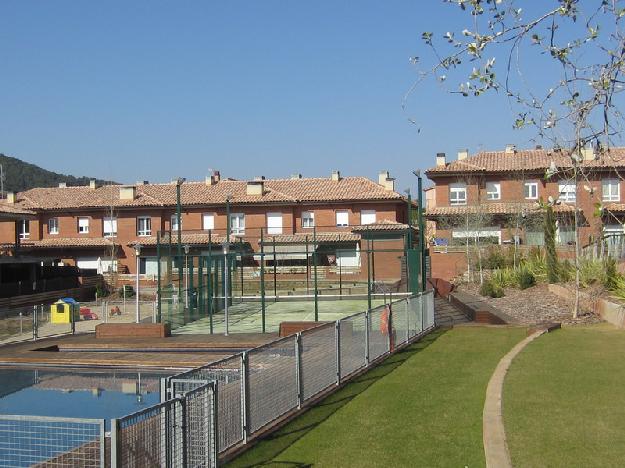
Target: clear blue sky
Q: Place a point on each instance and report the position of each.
(131, 90)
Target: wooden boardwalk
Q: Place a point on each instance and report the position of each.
(178, 351)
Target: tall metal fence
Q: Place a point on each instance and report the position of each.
(211, 410)
(52, 442)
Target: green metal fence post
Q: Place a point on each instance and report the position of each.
(262, 279)
(275, 271)
(369, 274)
(159, 273)
(421, 233)
(307, 268)
(315, 273)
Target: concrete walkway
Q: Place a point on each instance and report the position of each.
(446, 314)
(493, 431)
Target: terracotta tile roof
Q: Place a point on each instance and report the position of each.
(186, 238)
(10, 211)
(494, 208)
(383, 225)
(615, 207)
(536, 160)
(321, 237)
(60, 242)
(199, 193)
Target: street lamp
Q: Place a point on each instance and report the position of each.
(226, 249)
(186, 276)
(137, 256)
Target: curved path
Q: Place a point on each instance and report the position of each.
(493, 431)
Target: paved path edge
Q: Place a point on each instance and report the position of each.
(493, 431)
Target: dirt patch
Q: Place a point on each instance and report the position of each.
(535, 305)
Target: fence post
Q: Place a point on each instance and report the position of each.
(245, 387)
(102, 444)
(115, 461)
(154, 312)
(183, 431)
(35, 323)
(421, 301)
(391, 336)
(367, 330)
(298, 369)
(214, 452)
(337, 330)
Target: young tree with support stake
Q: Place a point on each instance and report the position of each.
(581, 52)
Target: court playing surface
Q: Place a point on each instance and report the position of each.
(246, 317)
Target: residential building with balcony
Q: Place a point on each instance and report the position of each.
(97, 227)
(496, 195)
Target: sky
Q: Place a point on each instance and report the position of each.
(154, 90)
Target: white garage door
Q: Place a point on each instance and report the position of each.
(87, 263)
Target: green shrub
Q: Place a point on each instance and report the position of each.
(591, 272)
(491, 289)
(503, 278)
(566, 271)
(610, 275)
(101, 290)
(525, 278)
(493, 258)
(130, 291)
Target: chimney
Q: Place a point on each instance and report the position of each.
(336, 175)
(62, 184)
(127, 192)
(213, 179)
(255, 187)
(539, 147)
(588, 153)
(142, 182)
(441, 160)
(92, 184)
(11, 197)
(385, 180)
(510, 149)
(296, 176)
(259, 178)
(463, 154)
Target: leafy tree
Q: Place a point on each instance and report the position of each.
(550, 245)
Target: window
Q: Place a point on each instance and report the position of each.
(83, 225)
(53, 226)
(530, 190)
(567, 192)
(208, 222)
(342, 218)
(109, 227)
(24, 231)
(237, 223)
(308, 219)
(610, 190)
(367, 217)
(493, 191)
(174, 222)
(144, 226)
(457, 194)
(274, 223)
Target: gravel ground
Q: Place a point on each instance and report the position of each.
(534, 305)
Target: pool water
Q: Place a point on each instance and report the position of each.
(80, 393)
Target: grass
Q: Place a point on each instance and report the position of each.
(421, 407)
(564, 403)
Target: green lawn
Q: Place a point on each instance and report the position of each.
(564, 399)
(421, 407)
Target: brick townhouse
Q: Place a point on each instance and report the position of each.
(495, 194)
(86, 226)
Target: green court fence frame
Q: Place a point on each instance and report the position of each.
(265, 266)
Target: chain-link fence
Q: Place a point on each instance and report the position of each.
(51, 442)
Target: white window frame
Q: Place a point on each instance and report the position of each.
(146, 229)
(24, 229)
(274, 223)
(567, 192)
(493, 190)
(53, 226)
(610, 195)
(237, 224)
(112, 220)
(367, 217)
(308, 219)
(531, 187)
(208, 221)
(173, 222)
(342, 214)
(83, 224)
(457, 189)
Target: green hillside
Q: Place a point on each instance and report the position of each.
(20, 175)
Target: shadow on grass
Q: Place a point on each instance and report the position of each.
(271, 446)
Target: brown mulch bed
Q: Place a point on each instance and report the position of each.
(535, 305)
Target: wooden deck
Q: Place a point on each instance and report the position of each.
(178, 351)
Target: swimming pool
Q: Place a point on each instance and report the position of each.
(78, 393)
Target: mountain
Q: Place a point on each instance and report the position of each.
(20, 175)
